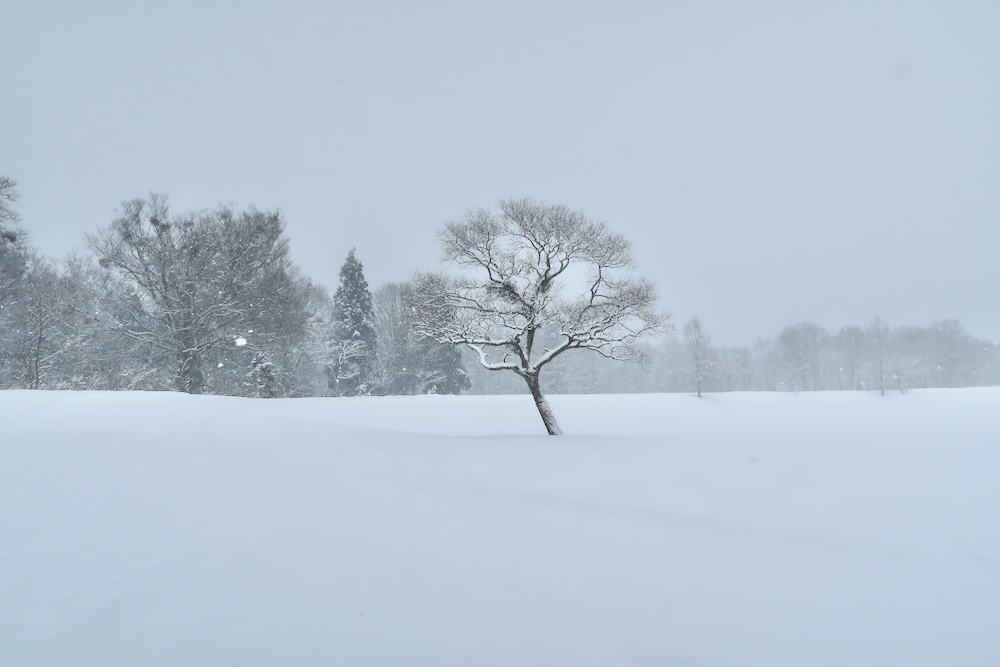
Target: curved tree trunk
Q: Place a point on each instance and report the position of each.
(548, 418)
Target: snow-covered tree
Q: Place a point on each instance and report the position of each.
(37, 334)
(200, 280)
(303, 359)
(22, 274)
(696, 341)
(8, 214)
(353, 331)
(14, 254)
(849, 346)
(439, 369)
(878, 338)
(264, 379)
(408, 363)
(93, 354)
(524, 259)
(800, 346)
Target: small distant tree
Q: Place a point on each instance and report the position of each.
(696, 341)
(39, 331)
(878, 336)
(520, 260)
(850, 346)
(263, 377)
(14, 256)
(9, 216)
(354, 331)
(800, 346)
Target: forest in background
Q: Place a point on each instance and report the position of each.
(212, 302)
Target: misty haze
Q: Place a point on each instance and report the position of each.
(658, 333)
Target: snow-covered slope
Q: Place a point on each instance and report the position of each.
(836, 529)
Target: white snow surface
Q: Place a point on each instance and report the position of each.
(840, 529)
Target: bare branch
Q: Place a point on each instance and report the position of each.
(517, 258)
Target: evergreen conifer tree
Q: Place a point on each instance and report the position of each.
(263, 377)
(353, 329)
(440, 369)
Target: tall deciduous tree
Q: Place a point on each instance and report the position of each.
(696, 341)
(520, 261)
(201, 281)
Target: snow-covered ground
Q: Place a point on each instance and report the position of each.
(840, 529)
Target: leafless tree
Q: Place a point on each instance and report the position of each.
(878, 333)
(8, 214)
(13, 255)
(696, 341)
(199, 280)
(521, 260)
(345, 355)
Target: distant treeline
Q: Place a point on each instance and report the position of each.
(212, 302)
(803, 357)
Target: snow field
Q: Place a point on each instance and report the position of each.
(743, 529)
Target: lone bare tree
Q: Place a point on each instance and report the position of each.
(520, 259)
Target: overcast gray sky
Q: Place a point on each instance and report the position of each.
(773, 162)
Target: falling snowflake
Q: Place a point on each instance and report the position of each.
(240, 341)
